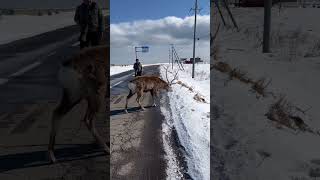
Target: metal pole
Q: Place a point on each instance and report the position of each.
(172, 56)
(267, 24)
(169, 55)
(135, 50)
(194, 37)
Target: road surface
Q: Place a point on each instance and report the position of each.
(136, 141)
(29, 91)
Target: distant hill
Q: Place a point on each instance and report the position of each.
(44, 4)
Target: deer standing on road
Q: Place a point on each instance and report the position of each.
(151, 84)
(83, 77)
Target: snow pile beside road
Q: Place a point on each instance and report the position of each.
(117, 69)
(189, 104)
(17, 27)
(246, 143)
(120, 69)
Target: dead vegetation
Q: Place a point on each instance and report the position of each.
(285, 114)
(198, 97)
(240, 75)
(222, 67)
(260, 86)
(281, 112)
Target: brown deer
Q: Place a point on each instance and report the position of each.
(83, 77)
(152, 84)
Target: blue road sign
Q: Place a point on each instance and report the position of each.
(145, 49)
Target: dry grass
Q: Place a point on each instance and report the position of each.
(222, 67)
(198, 97)
(282, 112)
(260, 86)
(279, 112)
(240, 75)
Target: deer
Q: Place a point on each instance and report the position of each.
(82, 77)
(149, 83)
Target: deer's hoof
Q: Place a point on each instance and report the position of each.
(52, 158)
(143, 109)
(126, 111)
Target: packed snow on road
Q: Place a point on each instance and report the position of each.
(266, 119)
(188, 113)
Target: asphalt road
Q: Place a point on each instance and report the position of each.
(136, 138)
(29, 91)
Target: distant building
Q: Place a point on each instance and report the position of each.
(191, 60)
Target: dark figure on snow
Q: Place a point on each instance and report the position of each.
(137, 68)
(90, 19)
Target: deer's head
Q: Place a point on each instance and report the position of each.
(170, 83)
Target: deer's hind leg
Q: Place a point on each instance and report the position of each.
(90, 123)
(154, 95)
(61, 110)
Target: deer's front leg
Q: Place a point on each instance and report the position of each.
(55, 123)
(154, 95)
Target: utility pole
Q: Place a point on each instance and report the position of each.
(172, 56)
(169, 55)
(194, 36)
(267, 24)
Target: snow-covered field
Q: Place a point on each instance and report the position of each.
(22, 26)
(245, 143)
(119, 69)
(191, 119)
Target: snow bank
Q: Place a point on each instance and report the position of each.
(191, 118)
(120, 69)
(117, 69)
(245, 143)
(22, 26)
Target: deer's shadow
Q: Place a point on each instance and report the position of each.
(130, 110)
(40, 158)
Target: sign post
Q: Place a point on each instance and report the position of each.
(143, 49)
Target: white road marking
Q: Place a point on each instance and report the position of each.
(116, 84)
(52, 53)
(3, 80)
(119, 80)
(76, 44)
(25, 69)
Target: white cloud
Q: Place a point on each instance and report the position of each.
(158, 34)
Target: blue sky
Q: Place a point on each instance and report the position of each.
(129, 10)
(157, 24)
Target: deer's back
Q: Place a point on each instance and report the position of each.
(91, 62)
(147, 82)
